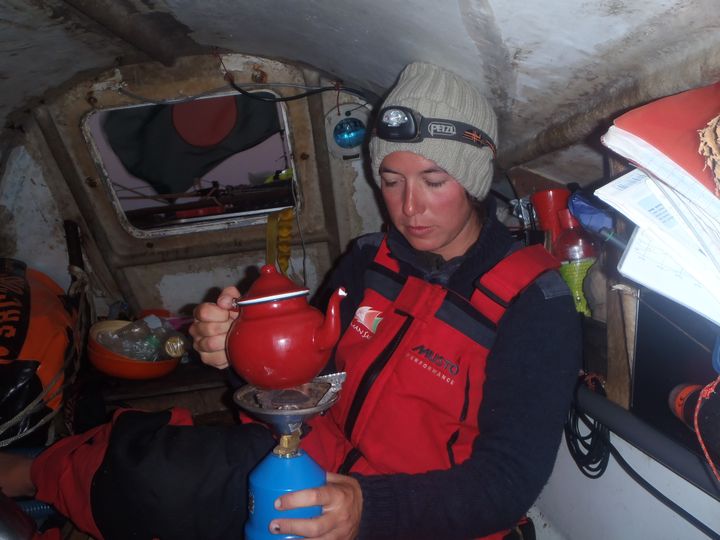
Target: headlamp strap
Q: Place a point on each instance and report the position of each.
(438, 128)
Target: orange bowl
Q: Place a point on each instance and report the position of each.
(123, 367)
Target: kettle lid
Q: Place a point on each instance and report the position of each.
(271, 286)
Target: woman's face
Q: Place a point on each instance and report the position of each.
(427, 205)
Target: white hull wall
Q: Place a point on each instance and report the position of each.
(614, 507)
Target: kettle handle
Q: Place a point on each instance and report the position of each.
(240, 302)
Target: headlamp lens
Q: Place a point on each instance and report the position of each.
(395, 117)
(397, 124)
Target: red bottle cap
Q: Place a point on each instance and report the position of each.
(567, 220)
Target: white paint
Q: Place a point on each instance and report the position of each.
(365, 201)
(614, 506)
(177, 290)
(36, 220)
(180, 288)
(578, 163)
(114, 82)
(366, 42)
(245, 63)
(540, 63)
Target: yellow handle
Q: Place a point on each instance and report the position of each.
(285, 219)
(278, 239)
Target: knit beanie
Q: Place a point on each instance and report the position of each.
(437, 93)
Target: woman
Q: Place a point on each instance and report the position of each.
(442, 234)
(461, 352)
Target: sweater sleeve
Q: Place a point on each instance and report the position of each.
(531, 373)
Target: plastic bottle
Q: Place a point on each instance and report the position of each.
(575, 249)
(150, 339)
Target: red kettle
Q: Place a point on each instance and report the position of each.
(279, 340)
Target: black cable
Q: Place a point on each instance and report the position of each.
(512, 186)
(314, 91)
(592, 451)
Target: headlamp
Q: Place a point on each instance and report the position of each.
(403, 124)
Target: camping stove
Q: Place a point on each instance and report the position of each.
(287, 468)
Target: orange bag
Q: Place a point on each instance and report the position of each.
(36, 338)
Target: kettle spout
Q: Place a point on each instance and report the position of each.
(328, 334)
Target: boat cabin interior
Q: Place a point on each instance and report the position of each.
(154, 152)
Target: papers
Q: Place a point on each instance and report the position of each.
(646, 261)
(676, 249)
(693, 202)
(663, 254)
(644, 201)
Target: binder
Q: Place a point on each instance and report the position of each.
(672, 198)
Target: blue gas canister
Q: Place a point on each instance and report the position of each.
(284, 470)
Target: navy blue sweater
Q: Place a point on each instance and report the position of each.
(531, 372)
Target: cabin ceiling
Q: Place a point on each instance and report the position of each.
(556, 71)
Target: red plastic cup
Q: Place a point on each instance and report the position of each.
(547, 204)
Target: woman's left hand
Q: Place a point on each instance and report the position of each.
(341, 501)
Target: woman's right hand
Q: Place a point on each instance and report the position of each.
(212, 323)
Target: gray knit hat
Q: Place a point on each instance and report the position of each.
(437, 93)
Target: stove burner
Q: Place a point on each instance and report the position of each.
(300, 397)
(287, 408)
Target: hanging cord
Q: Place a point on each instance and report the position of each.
(589, 450)
(705, 394)
(591, 453)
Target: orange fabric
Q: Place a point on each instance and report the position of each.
(63, 475)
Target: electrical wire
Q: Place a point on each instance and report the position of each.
(512, 186)
(589, 450)
(335, 88)
(309, 90)
(592, 451)
(632, 473)
(144, 99)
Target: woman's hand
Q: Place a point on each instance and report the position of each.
(341, 501)
(212, 323)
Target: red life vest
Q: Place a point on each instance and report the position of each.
(415, 357)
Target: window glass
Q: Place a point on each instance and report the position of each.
(175, 166)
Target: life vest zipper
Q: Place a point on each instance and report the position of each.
(449, 446)
(463, 415)
(364, 387)
(371, 374)
(350, 460)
